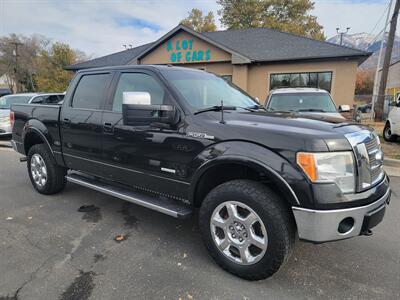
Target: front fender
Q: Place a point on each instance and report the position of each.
(260, 158)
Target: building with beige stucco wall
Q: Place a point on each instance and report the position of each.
(393, 80)
(257, 60)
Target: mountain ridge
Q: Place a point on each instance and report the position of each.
(367, 42)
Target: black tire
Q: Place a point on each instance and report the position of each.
(272, 211)
(387, 134)
(55, 174)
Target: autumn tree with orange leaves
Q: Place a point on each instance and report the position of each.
(364, 82)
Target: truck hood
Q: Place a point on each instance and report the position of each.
(284, 131)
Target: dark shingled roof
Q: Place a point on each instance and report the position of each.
(255, 44)
(115, 59)
(268, 45)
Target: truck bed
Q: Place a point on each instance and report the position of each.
(37, 116)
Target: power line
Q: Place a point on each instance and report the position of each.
(380, 18)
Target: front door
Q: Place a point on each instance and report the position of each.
(145, 156)
(81, 123)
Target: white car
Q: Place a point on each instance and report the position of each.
(392, 127)
(8, 100)
(304, 100)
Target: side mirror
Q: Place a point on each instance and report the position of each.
(344, 108)
(137, 110)
(257, 100)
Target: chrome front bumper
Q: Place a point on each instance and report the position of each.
(323, 225)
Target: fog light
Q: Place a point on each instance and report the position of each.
(346, 225)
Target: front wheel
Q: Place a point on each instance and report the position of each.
(46, 176)
(388, 134)
(246, 228)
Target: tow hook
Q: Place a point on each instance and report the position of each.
(367, 232)
(23, 159)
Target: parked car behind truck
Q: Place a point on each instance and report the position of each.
(391, 131)
(304, 100)
(175, 140)
(8, 100)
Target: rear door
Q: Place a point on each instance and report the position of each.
(81, 122)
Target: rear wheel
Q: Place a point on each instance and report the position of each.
(246, 228)
(46, 176)
(388, 135)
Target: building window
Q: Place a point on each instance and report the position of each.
(321, 80)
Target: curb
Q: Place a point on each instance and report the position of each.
(390, 162)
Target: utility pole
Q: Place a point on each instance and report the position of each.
(378, 66)
(386, 63)
(16, 44)
(342, 33)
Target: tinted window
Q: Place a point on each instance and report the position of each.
(53, 99)
(90, 91)
(320, 80)
(38, 100)
(324, 81)
(137, 82)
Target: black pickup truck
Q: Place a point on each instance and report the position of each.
(176, 140)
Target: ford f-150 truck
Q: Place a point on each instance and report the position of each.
(176, 140)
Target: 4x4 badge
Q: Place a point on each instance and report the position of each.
(200, 135)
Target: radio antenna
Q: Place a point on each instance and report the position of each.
(222, 113)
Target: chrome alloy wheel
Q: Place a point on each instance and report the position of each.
(38, 170)
(238, 232)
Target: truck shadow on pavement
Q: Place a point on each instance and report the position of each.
(82, 258)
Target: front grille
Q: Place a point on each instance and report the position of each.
(373, 147)
(369, 158)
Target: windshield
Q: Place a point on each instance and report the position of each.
(7, 101)
(201, 90)
(318, 102)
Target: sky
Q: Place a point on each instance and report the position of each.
(102, 27)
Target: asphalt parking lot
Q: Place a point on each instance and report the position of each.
(50, 250)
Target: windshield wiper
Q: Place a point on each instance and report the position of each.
(312, 109)
(255, 106)
(280, 111)
(219, 108)
(215, 108)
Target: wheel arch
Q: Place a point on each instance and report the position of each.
(32, 136)
(388, 121)
(237, 167)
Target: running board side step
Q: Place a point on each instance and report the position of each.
(159, 203)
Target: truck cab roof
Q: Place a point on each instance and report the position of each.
(142, 67)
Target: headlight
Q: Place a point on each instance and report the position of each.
(336, 167)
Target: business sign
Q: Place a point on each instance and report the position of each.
(181, 51)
